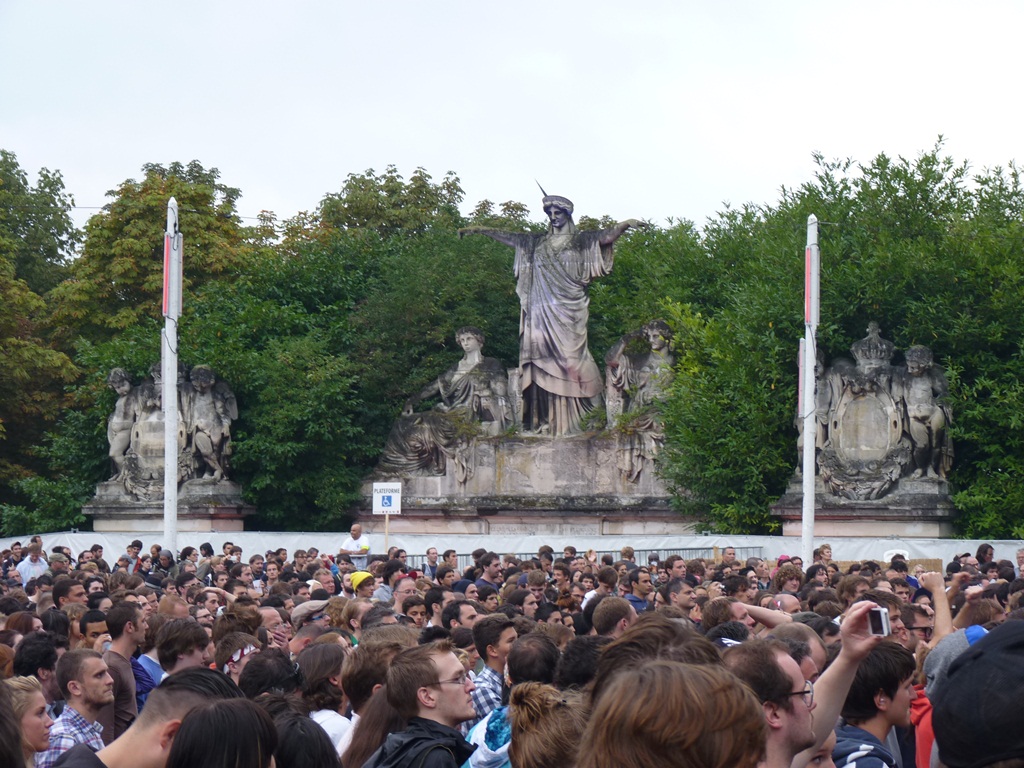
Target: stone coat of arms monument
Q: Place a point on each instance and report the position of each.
(882, 446)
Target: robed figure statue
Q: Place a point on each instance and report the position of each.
(559, 378)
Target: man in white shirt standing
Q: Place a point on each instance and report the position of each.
(356, 546)
(34, 565)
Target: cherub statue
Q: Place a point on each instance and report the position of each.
(209, 407)
(921, 390)
(121, 421)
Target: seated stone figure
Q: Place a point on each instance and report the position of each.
(636, 384)
(475, 388)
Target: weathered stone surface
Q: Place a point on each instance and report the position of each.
(559, 378)
(637, 382)
(474, 398)
(133, 497)
(535, 481)
(929, 514)
(882, 446)
(203, 505)
(879, 422)
(135, 430)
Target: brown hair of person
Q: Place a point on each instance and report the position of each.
(410, 670)
(377, 719)
(335, 609)
(546, 725)
(687, 717)
(319, 663)
(784, 574)
(351, 610)
(652, 636)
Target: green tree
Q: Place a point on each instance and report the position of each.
(108, 313)
(389, 205)
(118, 279)
(37, 235)
(36, 238)
(71, 458)
(31, 378)
(918, 245)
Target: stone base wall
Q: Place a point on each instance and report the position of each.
(915, 508)
(203, 506)
(528, 484)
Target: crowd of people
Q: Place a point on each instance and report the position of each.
(354, 659)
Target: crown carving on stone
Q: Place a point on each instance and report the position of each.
(873, 350)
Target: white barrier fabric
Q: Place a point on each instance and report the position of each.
(770, 547)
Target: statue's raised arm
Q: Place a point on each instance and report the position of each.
(612, 234)
(511, 239)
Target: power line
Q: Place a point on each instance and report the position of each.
(103, 207)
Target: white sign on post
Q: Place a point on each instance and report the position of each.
(387, 498)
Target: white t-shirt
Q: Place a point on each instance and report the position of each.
(346, 740)
(355, 545)
(334, 724)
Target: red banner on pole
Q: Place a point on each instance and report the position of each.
(167, 274)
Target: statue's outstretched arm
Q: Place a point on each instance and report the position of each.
(428, 391)
(508, 238)
(609, 236)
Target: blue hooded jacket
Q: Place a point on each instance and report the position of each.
(856, 748)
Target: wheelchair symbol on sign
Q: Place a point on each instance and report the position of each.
(385, 501)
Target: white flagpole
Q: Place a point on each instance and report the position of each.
(169, 372)
(812, 263)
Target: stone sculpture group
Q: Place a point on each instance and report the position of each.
(637, 383)
(878, 423)
(557, 382)
(135, 430)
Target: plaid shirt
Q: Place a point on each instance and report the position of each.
(487, 695)
(68, 730)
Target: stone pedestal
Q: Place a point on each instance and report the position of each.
(203, 505)
(918, 508)
(569, 486)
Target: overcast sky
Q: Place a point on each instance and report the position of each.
(650, 110)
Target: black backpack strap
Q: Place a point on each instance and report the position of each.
(431, 748)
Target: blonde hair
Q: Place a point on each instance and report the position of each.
(560, 633)
(22, 690)
(75, 612)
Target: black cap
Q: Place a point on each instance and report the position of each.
(977, 717)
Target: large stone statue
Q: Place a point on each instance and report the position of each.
(135, 430)
(473, 390)
(637, 381)
(560, 380)
(883, 422)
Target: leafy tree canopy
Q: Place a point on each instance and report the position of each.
(325, 324)
(37, 235)
(36, 238)
(916, 244)
(118, 279)
(389, 205)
